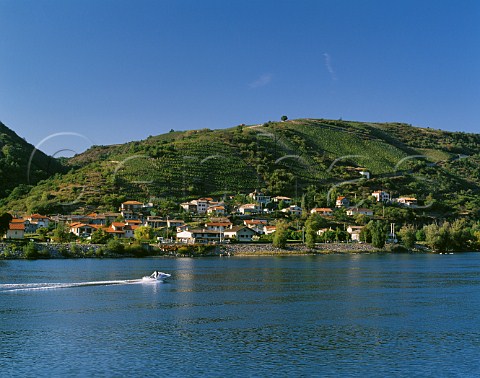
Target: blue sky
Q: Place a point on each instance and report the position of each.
(80, 72)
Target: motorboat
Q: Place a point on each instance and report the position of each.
(157, 276)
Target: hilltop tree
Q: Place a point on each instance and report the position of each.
(284, 118)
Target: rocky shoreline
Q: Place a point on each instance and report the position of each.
(296, 249)
(73, 250)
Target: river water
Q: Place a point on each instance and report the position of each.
(335, 315)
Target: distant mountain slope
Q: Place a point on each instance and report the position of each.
(19, 165)
(321, 157)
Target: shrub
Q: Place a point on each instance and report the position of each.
(116, 246)
(30, 251)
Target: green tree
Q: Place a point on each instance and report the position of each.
(100, 237)
(432, 236)
(420, 235)
(407, 234)
(116, 246)
(5, 219)
(61, 234)
(282, 205)
(31, 251)
(366, 233)
(144, 233)
(284, 118)
(280, 235)
(42, 233)
(310, 233)
(379, 234)
(460, 235)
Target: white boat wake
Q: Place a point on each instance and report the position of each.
(67, 285)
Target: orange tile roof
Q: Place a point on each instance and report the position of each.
(219, 224)
(37, 216)
(16, 226)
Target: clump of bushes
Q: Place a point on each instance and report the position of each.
(31, 252)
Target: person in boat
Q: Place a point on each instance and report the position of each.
(155, 274)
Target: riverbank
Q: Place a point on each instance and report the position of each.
(296, 249)
(73, 250)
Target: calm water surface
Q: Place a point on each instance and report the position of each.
(357, 315)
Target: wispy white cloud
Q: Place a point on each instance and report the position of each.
(328, 65)
(261, 81)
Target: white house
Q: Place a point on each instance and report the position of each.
(352, 211)
(121, 230)
(326, 211)
(342, 201)
(218, 226)
(16, 230)
(381, 196)
(407, 201)
(199, 206)
(286, 200)
(199, 236)
(293, 210)
(217, 209)
(190, 207)
(156, 222)
(37, 221)
(131, 206)
(267, 230)
(354, 232)
(131, 209)
(240, 233)
(81, 229)
(260, 197)
(249, 208)
(202, 205)
(256, 225)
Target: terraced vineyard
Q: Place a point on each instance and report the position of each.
(283, 158)
(190, 170)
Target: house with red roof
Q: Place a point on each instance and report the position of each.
(16, 230)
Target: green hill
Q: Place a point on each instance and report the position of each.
(21, 165)
(316, 157)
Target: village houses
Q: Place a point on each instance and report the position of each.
(352, 211)
(354, 232)
(260, 198)
(294, 210)
(325, 211)
(381, 196)
(407, 201)
(342, 201)
(16, 229)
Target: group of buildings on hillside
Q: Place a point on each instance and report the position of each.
(133, 214)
